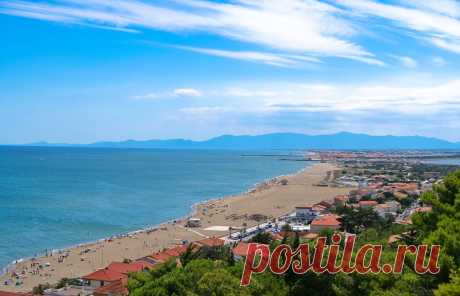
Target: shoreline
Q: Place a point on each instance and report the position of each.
(169, 233)
(193, 211)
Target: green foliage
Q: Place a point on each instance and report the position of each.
(213, 272)
(262, 238)
(40, 289)
(452, 288)
(356, 220)
(67, 282)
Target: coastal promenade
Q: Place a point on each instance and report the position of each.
(266, 201)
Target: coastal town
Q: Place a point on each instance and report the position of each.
(318, 200)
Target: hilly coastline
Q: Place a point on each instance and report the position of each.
(342, 140)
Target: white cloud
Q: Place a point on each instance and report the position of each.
(294, 29)
(438, 61)
(431, 21)
(398, 98)
(407, 62)
(187, 92)
(178, 92)
(203, 110)
(446, 7)
(281, 60)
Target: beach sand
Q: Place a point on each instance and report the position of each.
(266, 201)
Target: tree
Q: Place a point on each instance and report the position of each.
(262, 238)
(450, 289)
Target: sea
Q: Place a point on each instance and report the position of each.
(447, 161)
(56, 197)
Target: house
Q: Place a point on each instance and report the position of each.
(161, 257)
(328, 221)
(422, 210)
(240, 250)
(127, 268)
(320, 209)
(103, 277)
(388, 208)
(325, 203)
(116, 288)
(210, 242)
(367, 203)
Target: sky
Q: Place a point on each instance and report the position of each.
(80, 71)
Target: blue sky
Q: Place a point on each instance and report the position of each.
(82, 71)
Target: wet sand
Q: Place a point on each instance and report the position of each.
(266, 201)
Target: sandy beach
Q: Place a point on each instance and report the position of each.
(266, 201)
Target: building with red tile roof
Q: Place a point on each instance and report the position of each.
(209, 242)
(126, 268)
(177, 251)
(102, 277)
(325, 203)
(422, 209)
(240, 250)
(329, 221)
(161, 257)
(367, 203)
(116, 288)
(169, 253)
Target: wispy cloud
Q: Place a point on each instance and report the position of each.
(293, 30)
(403, 98)
(383, 107)
(178, 92)
(203, 110)
(438, 61)
(281, 60)
(434, 21)
(407, 62)
(187, 92)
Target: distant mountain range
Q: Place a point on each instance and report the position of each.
(342, 140)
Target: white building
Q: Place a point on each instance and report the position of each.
(388, 208)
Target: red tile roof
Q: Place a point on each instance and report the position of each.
(161, 257)
(169, 253)
(177, 251)
(368, 203)
(127, 267)
(423, 209)
(210, 242)
(117, 287)
(326, 220)
(241, 249)
(105, 275)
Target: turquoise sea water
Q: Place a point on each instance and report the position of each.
(57, 197)
(451, 161)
